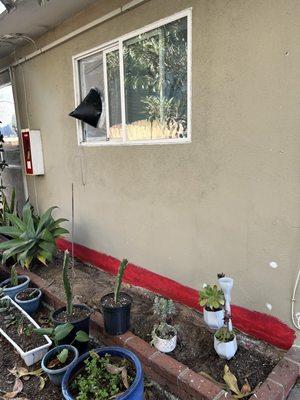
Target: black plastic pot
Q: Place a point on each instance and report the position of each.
(82, 324)
(116, 319)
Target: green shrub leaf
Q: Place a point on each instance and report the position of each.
(82, 337)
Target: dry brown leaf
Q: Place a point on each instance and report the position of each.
(125, 377)
(231, 380)
(113, 369)
(18, 371)
(115, 396)
(53, 363)
(211, 379)
(21, 398)
(18, 387)
(42, 383)
(246, 388)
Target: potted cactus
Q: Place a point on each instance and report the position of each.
(29, 299)
(211, 298)
(76, 314)
(164, 335)
(116, 306)
(15, 284)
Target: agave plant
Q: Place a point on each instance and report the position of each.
(33, 237)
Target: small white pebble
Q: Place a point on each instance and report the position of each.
(204, 285)
(273, 264)
(269, 306)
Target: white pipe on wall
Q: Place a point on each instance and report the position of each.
(71, 35)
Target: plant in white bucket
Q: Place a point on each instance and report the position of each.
(225, 342)
(211, 298)
(164, 335)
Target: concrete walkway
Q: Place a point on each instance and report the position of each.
(295, 393)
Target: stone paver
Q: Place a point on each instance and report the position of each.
(295, 392)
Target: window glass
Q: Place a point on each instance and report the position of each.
(114, 94)
(8, 126)
(91, 75)
(155, 76)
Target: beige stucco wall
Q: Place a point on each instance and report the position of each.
(229, 201)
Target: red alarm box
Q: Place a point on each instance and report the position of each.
(32, 152)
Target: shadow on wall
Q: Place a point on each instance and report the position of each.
(12, 177)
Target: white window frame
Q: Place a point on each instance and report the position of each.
(118, 44)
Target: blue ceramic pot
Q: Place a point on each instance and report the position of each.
(56, 375)
(136, 390)
(12, 291)
(32, 305)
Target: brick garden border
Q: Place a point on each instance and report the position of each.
(177, 377)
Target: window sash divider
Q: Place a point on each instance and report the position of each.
(122, 90)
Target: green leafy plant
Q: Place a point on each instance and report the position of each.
(33, 237)
(102, 378)
(67, 284)
(60, 332)
(7, 207)
(164, 309)
(119, 278)
(224, 334)
(211, 298)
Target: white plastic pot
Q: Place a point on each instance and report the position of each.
(214, 319)
(225, 349)
(164, 345)
(32, 356)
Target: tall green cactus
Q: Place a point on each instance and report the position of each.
(13, 276)
(119, 278)
(67, 285)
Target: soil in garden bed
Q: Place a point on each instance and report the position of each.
(8, 285)
(27, 294)
(253, 361)
(31, 391)
(77, 315)
(109, 301)
(19, 329)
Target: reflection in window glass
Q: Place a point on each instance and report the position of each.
(155, 69)
(8, 126)
(91, 75)
(114, 96)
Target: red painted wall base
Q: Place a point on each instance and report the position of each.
(259, 325)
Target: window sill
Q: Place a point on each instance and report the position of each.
(135, 143)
